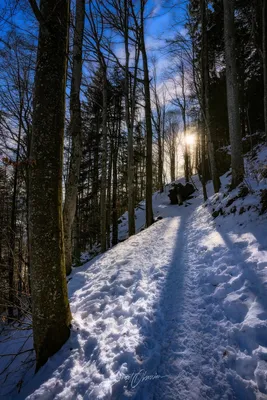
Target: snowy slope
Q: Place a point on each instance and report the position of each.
(179, 311)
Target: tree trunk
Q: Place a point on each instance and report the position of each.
(103, 195)
(183, 110)
(161, 116)
(77, 239)
(172, 163)
(160, 166)
(205, 98)
(172, 154)
(95, 183)
(186, 153)
(264, 59)
(232, 95)
(12, 238)
(158, 124)
(129, 123)
(75, 133)
(163, 143)
(149, 209)
(50, 307)
(110, 161)
(203, 162)
(114, 199)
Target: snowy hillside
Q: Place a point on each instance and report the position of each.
(178, 311)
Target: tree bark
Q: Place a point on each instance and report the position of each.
(205, 98)
(129, 123)
(232, 95)
(114, 198)
(149, 177)
(172, 163)
(103, 195)
(264, 59)
(203, 162)
(183, 110)
(75, 133)
(109, 176)
(12, 238)
(50, 307)
(158, 124)
(95, 182)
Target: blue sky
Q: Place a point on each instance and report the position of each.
(165, 18)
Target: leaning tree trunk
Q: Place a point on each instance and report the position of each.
(149, 177)
(50, 307)
(264, 58)
(75, 133)
(232, 95)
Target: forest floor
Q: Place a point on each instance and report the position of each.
(176, 312)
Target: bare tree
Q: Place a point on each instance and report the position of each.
(158, 118)
(148, 118)
(206, 97)
(264, 58)
(181, 99)
(130, 108)
(171, 142)
(232, 95)
(50, 306)
(75, 133)
(100, 44)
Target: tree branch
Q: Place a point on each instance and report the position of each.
(37, 12)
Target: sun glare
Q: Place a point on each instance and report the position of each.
(190, 139)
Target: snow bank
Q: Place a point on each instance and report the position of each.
(117, 325)
(178, 311)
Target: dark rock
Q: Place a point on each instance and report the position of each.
(243, 192)
(180, 193)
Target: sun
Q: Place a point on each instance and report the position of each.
(190, 139)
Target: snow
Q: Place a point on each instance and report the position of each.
(176, 312)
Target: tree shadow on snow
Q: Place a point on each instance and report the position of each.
(145, 371)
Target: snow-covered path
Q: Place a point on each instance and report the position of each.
(215, 307)
(183, 302)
